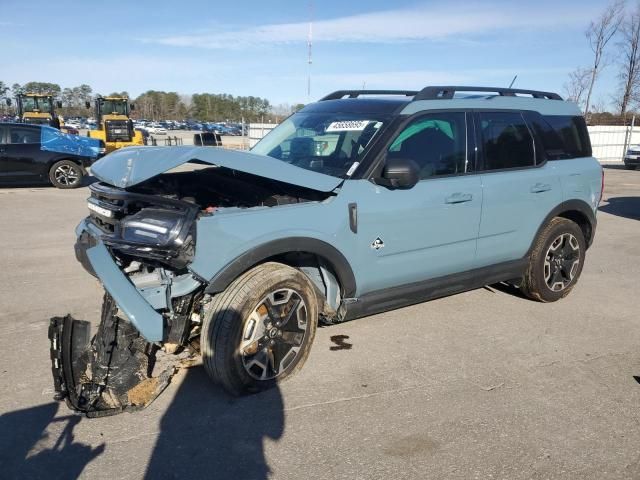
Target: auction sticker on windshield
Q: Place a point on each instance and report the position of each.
(347, 126)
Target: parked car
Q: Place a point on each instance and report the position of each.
(632, 158)
(156, 130)
(32, 154)
(350, 207)
(69, 129)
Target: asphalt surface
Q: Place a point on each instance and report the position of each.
(484, 384)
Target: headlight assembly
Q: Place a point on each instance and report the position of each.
(155, 227)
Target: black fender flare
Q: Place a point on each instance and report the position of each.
(569, 206)
(259, 254)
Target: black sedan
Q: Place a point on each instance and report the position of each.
(32, 154)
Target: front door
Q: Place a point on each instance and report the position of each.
(22, 154)
(427, 231)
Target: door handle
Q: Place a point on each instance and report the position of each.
(540, 187)
(458, 198)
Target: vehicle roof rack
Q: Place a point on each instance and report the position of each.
(445, 93)
(356, 93)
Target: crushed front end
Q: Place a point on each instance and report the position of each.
(138, 246)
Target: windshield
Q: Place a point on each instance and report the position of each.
(36, 104)
(329, 143)
(118, 107)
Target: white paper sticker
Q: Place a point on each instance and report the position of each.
(347, 126)
(352, 168)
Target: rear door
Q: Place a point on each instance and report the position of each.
(519, 187)
(24, 160)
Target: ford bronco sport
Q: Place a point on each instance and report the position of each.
(362, 202)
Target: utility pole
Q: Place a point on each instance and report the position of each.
(309, 51)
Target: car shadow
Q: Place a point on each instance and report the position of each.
(506, 288)
(22, 431)
(205, 433)
(627, 207)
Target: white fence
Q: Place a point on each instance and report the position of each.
(259, 130)
(610, 143)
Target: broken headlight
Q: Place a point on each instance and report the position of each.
(154, 227)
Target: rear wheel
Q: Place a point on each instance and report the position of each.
(259, 331)
(66, 174)
(556, 261)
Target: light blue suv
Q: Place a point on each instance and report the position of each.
(363, 202)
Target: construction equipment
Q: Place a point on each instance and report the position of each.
(38, 108)
(115, 128)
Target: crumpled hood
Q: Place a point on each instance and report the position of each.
(132, 165)
(53, 140)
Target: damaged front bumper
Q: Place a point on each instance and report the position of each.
(118, 369)
(139, 303)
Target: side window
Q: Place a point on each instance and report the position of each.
(573, 134)
(20, 135)
(437, 142)
(506, 141)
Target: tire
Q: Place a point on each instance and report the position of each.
(66, 174)
(556, 261)
(629, 167)
(245, 348)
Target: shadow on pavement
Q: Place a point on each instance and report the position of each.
(206, 433)
(22, 430)
(627, 207)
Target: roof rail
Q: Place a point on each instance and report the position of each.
(356, 93)
(442, 93)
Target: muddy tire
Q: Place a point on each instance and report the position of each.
(556, 261)
(259, 331)
(66, 174)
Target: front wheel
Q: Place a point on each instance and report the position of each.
(66, 174)
(556, 261)
(259, 331)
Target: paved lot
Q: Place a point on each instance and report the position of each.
(482, 385)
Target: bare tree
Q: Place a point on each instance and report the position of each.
(577, 84)
(629, 75)
(599, 34)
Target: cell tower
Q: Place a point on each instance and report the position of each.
(309, 51)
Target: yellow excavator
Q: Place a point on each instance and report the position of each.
(38, 108)
(115, 128)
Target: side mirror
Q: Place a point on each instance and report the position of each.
(401, 173)
(132, 107)
(8, 101)
(87, 105)
(59, 104)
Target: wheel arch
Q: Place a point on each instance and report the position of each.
(577, 211)
(52, 161)
(284, 250)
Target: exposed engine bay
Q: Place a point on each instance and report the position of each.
(222, 187)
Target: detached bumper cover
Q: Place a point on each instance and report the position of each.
(95, 257)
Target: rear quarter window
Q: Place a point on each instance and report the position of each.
(562, 137)
(24, 135)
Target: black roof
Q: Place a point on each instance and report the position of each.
(379, 105)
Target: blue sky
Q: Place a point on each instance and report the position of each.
(260, 48)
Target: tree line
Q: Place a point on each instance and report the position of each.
(614, 40)
(157, 105)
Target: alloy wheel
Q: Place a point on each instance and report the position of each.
(561, 262)
(273, 334)
(66, 175)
